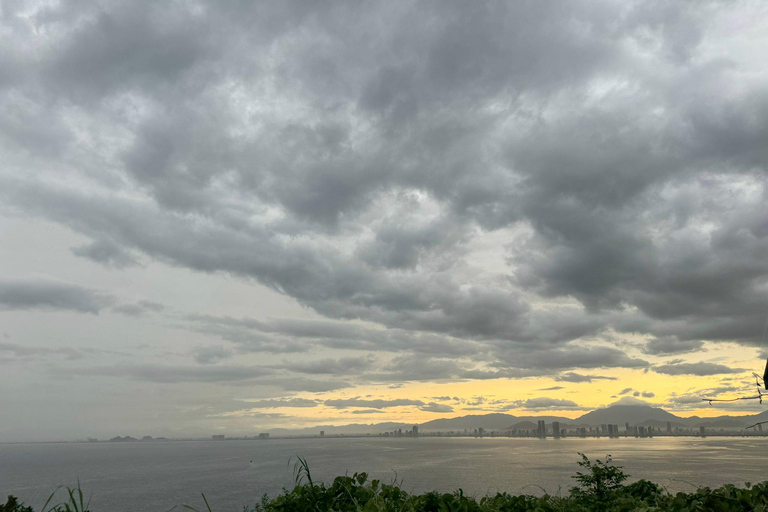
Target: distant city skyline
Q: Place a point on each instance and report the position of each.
(644, 421)
(218, 219)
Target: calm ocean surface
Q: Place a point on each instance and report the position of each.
(144, 477)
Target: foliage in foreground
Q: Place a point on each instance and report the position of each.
(599, 487)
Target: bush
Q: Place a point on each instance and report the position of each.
(13, 505)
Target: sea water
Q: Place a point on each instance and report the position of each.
(156, 476)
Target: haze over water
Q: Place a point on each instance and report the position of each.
(144, 477)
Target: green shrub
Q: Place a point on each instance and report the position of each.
(13, 505)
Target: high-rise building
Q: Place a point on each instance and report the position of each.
(415, 431)
(556, 429)
(669, 428)
(610, 430)
(641, 431)
(322, 433)
(702, 431)
(481, 431)
(541, 429)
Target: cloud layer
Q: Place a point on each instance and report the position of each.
(456, 191)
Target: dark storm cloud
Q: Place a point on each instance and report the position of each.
(700, 369)
(357, 157)
(51, 295)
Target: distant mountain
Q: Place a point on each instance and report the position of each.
(335, 430)
(632, 414)
(726, 423)
(523, 425)
(126, 439)
(636, 414)
(494, 421)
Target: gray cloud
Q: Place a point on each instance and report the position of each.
(107, 253)
(138, 308)
(508, 194)
(700, 369)
(15, 353)
(211, 355)
(51, 295)
(694, 399)
(413, 190)
(671, 345)
(301, 384)
(570, 356)
(435, 407)
(170, 374)
(282, 402)
(547, 403)
(343, 366)
(345, 403)
(577, 377)
(282, 335)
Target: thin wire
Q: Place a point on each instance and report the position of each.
(758, 381)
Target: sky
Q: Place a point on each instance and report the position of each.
(221, 217)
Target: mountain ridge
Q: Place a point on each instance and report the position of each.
(634, 414)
